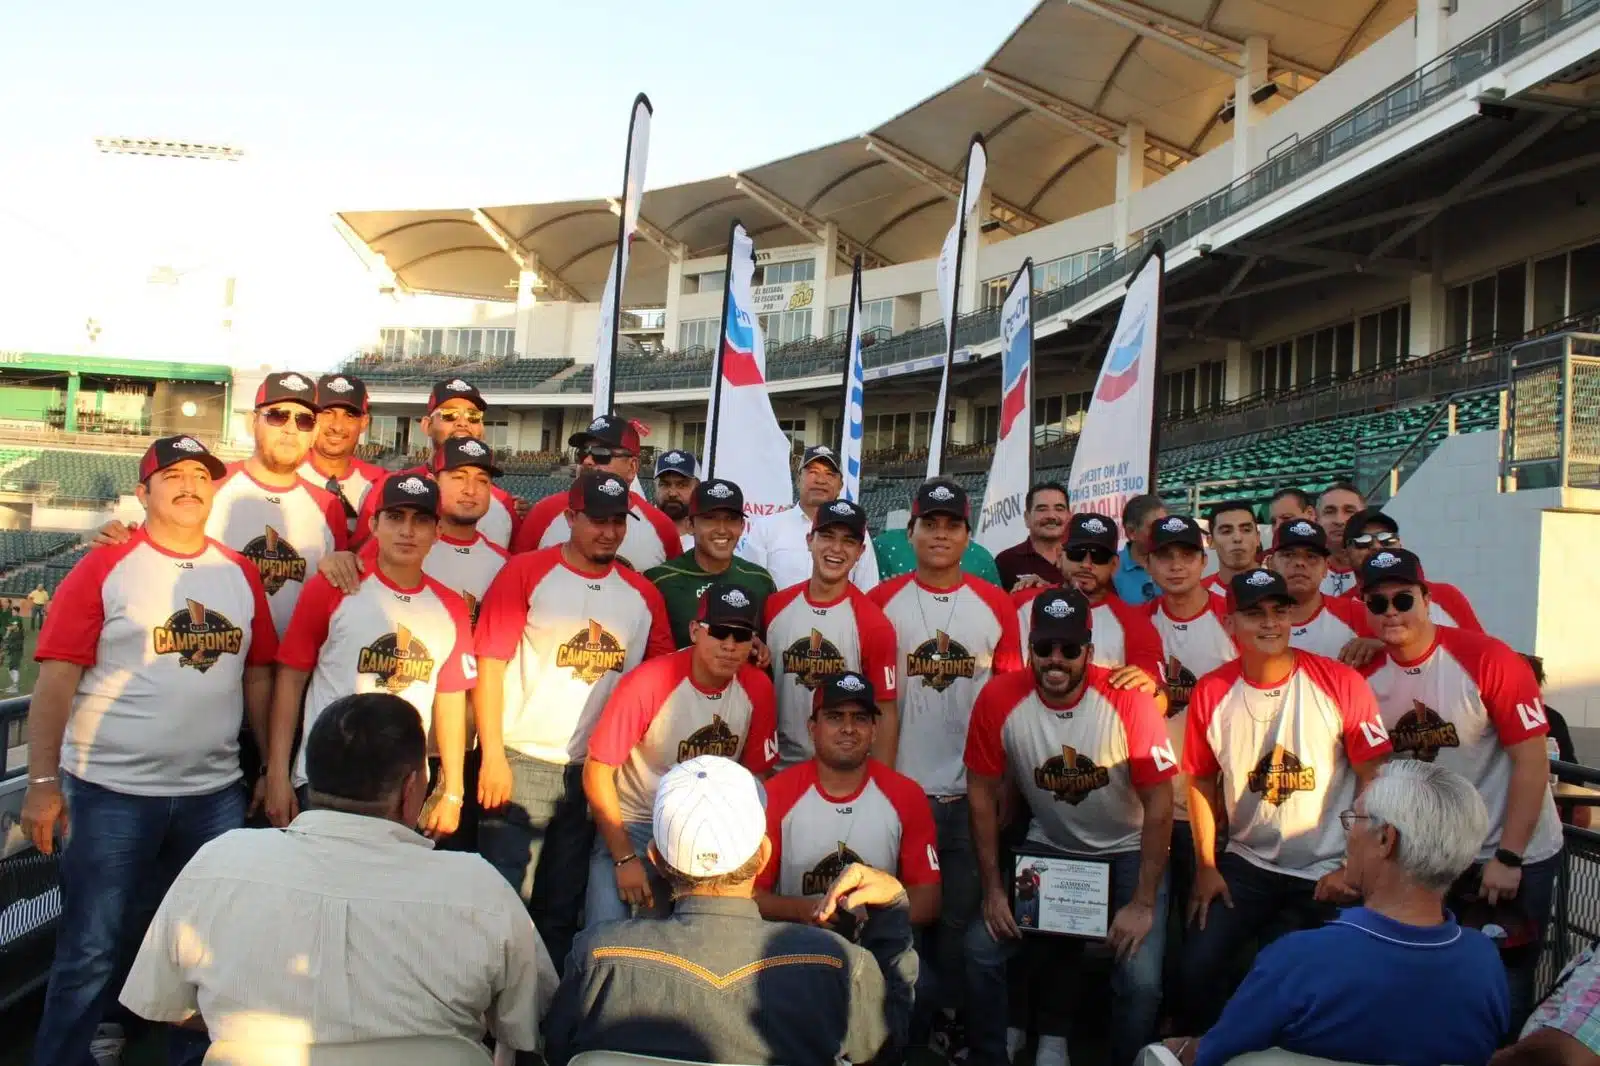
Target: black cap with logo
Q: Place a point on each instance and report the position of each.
(464, 451)
(287, 387)
(820, 453)
(1087, 530)
(716, 494)
(725, 604)
(1301, 533)
(843, 690)
(455, 389)
(1062, 614)
(1254, 586)
(342, 390)
(677, 461)
(170, 451)
(1372, 516)
(599, 495)
(841, 513)
(1177, 529)
(941, 497)
(1392, 565)
(611, 430)
(415, 491)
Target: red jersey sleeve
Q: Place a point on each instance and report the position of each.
(884, 591)
(1505, 684)
(459, 672)
(1008, 651)
(536, 522)
(761, 745)
(633, 705)
(1141, 644)
(986, 750)
(1352, 611)
(1365, 737)
(660, 641)
(880, 648)
(1020, 598)
(369, 508)
(1199, 758)
(71, 631)
(1453, 601)
(263, 634)
(919, 843)
(783, 792)
(308, 628)
(503, 614)
(671, 542)
(1150, 756)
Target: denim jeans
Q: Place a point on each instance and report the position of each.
(539, 841)
(941, 980)
(1135, 982)
(1534, 898)
(120, 856)
(602, 903)
(1265, 905)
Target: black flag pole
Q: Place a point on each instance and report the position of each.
(714, 415)
(1024, 276)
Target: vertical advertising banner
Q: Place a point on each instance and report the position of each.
(1115, 456)
(605, 345)
(948, 277)
(1002, 522)
(853, 421)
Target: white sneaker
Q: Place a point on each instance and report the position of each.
(1016, 1039)
(1052, 1051)
(107, 1045)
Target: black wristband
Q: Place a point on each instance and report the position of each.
(1506, 857)
(625, 860)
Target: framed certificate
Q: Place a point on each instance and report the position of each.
(1060, 895)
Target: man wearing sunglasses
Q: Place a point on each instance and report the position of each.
(1095, 767)
(1278, 740)
(704, 700)
(1038, 558)
(717, 513)
(1469, 703)
(1331, 626)
(456, 409)
(342, 417)
(778, 541)
(1371, 532)
(558, 629)
(1236, 541)
(826, 626)
(609, 445)
(1338, 504)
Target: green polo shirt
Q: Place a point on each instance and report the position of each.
(681, 582)
(895, 557)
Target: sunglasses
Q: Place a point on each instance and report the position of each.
(450, 418)
(1378, 603)
(278, 417)
(1043, 649)
(719, 631)
(1097, 555)
(1367, 540)
(602, 453)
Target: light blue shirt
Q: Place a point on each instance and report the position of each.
(1132, 580)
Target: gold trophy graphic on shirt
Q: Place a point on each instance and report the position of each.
(1179, 680)
(713, 739)
(817, 880)
(275, 559)
(1422, 732)
(940, 662)
(590, 653)
(812, 660)
(1070, 776)
(397, 659)
(198, 637)
(1280, 774)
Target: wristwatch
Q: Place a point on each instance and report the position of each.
(1506, 857)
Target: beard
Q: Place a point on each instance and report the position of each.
(674, 508)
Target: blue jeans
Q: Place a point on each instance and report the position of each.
(941, 981)
(602, 903)
(1534, 898)
(539, 841)
(1135, 982)
(121, 854)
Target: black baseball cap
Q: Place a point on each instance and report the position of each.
(287, 386)
(716, 494)
(1362, 519)
(1392, 565)
(170, 451)
(845, 513)
(599, 495)
(941, 497)
(455, 389)
(464, 451)
(1301, 533)
(820, 453)
(1177, 529)
(419, 492)
(1088, 530)
(611, 430)
(725, 604)
(840, 690)
(1257, 585)
(677, 461)
(342, 390)
(1063, 614)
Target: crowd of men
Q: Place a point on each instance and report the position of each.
(757, 804)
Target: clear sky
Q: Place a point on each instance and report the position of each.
(348, 104)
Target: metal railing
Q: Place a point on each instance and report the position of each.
(1553, 437)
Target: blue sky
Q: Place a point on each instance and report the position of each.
(350, 104)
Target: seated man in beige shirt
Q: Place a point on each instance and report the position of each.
(347, 926)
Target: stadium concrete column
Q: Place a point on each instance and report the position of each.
(1427, 313)
(71, 425)
(1130, 179)
(1233, 375)
(827, 266)
(526, 280)
(1431, 15)
(1254, 62)
(669, 322)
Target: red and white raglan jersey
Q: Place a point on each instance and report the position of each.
(1190, 648)
(163, 640)
(356, 483)
(1467, 700)
(810, 642)
(1285, 756)
(651, 539)
(465, 567)
(1447, 606)
(412, 642)
(1338, 621)
(499, 523)
(950, 641)
(659, 717)
(885, 824)
(285, 532)
(1123, 635)
(1079, 766)
(566, 638)
(1337, 581)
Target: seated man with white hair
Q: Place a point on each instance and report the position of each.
(1396, 981)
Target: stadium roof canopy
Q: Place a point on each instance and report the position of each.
(1051, 102)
